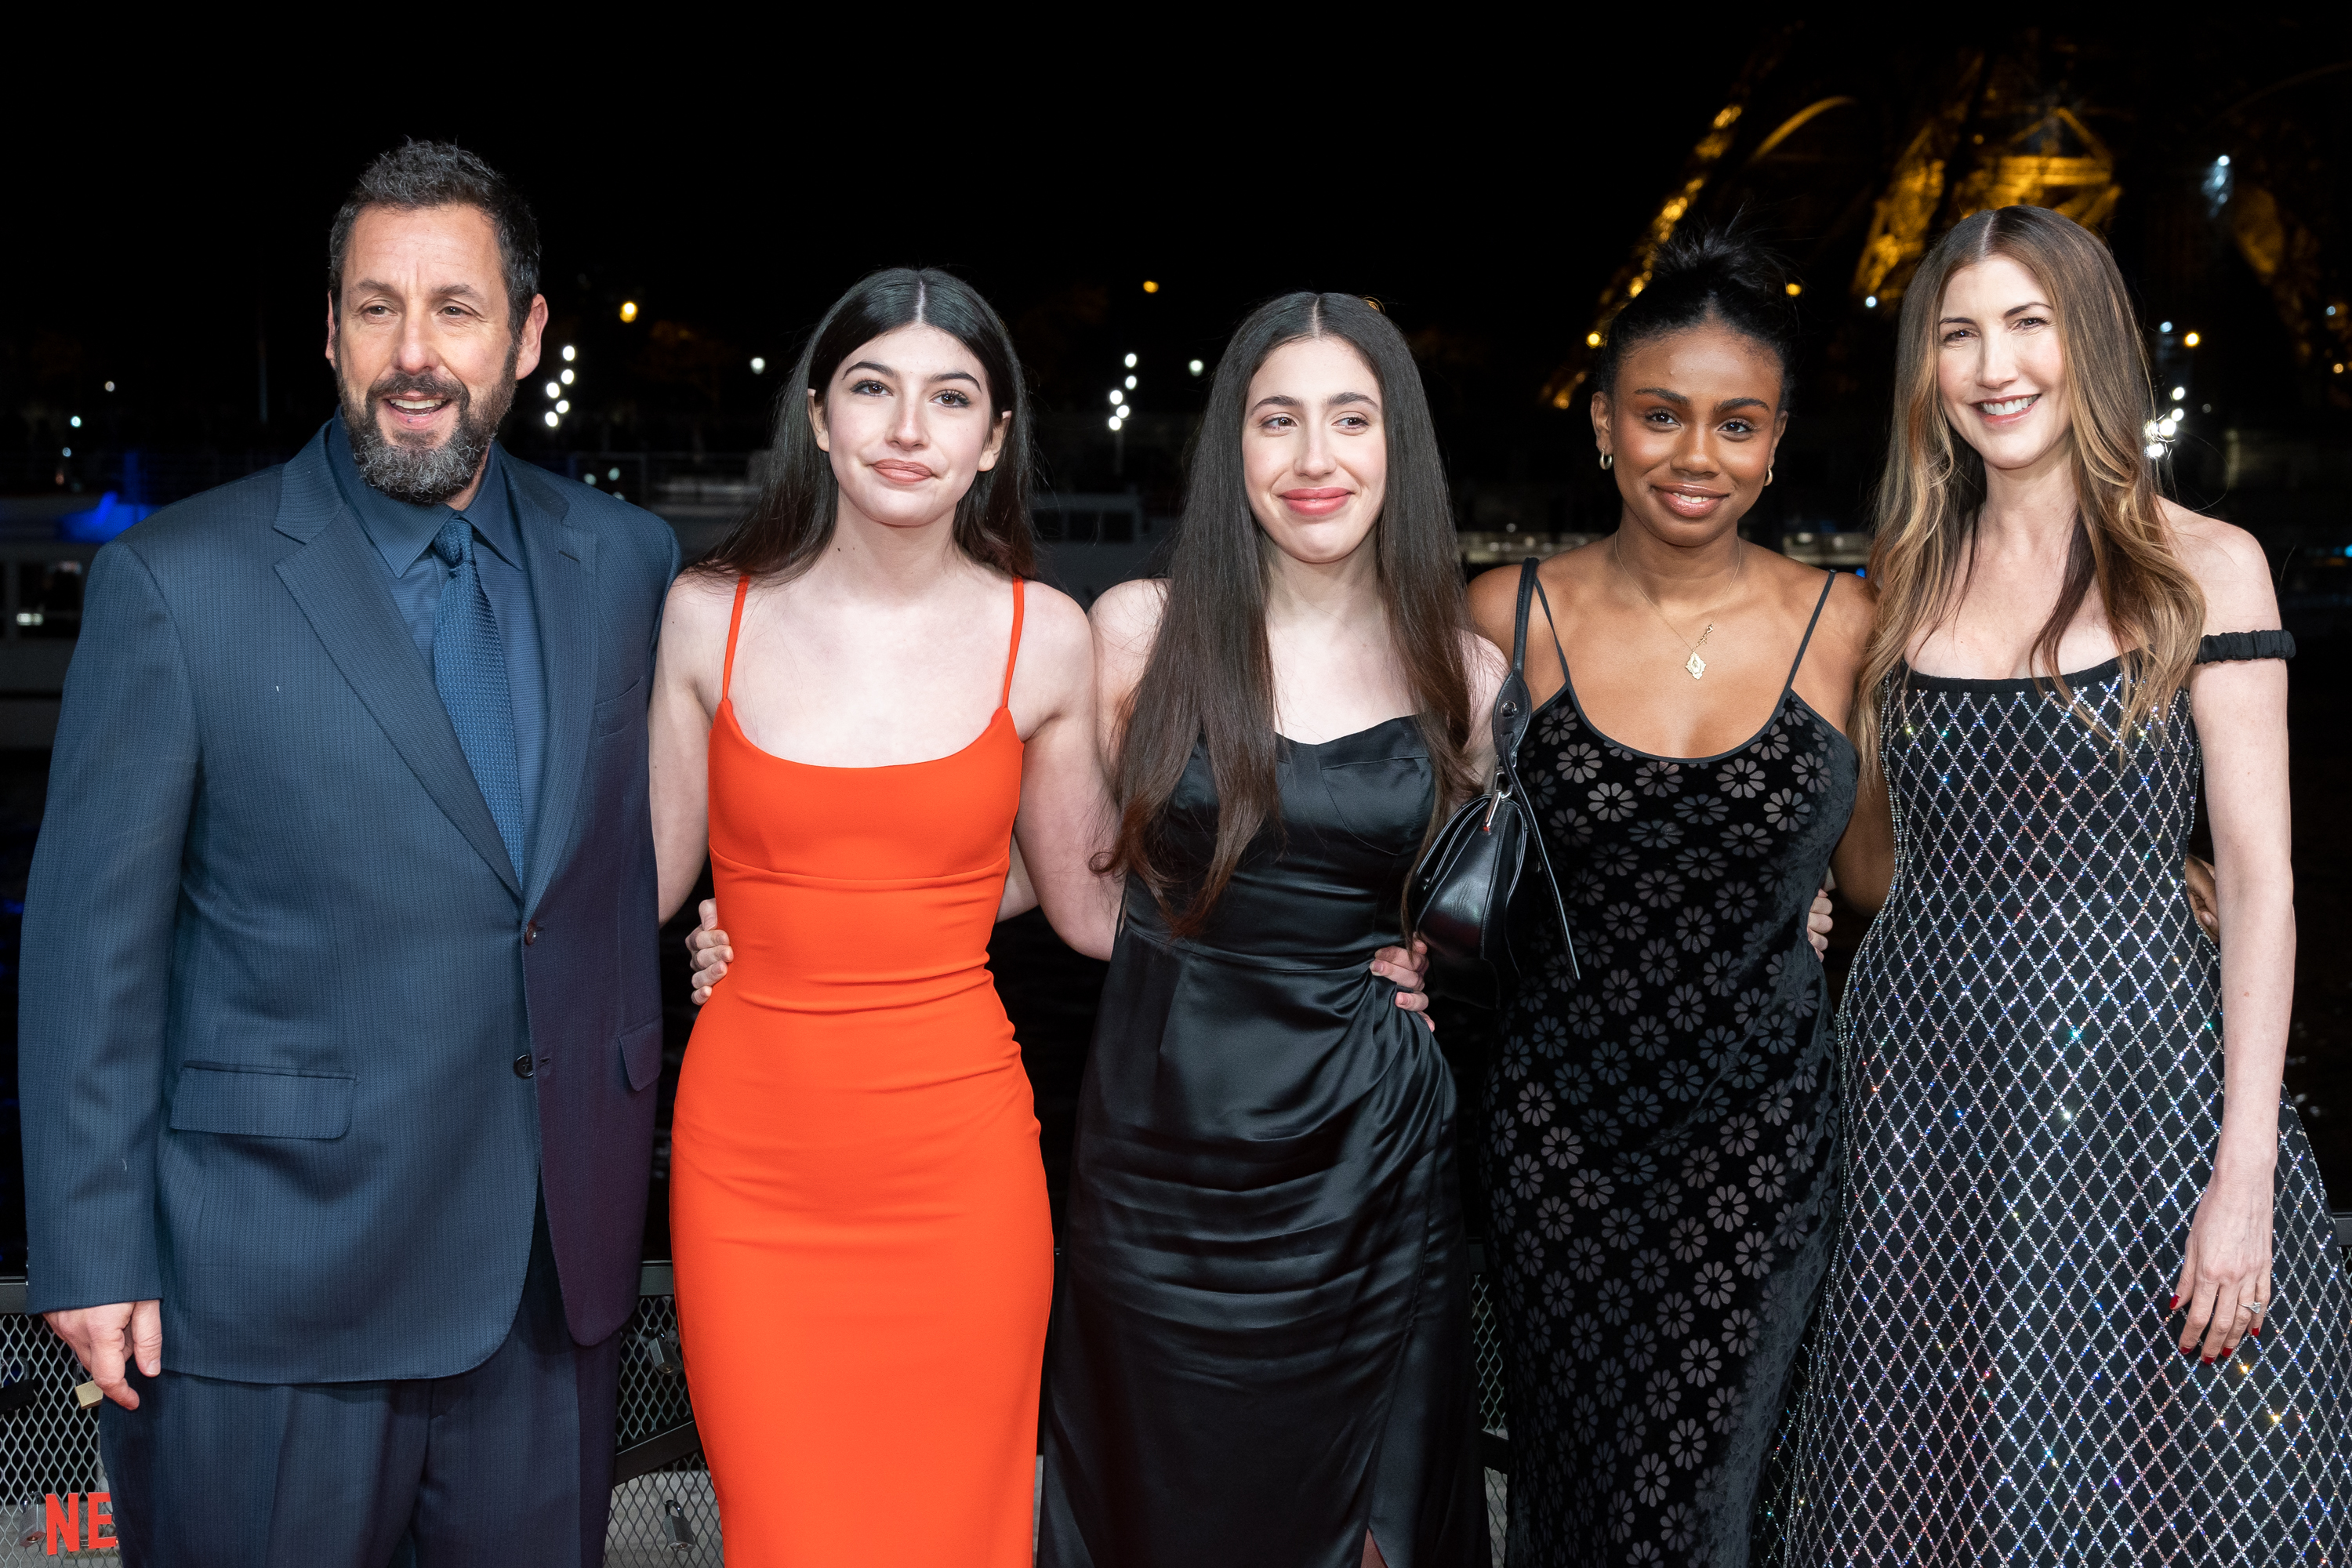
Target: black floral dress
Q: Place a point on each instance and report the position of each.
(1660, 1145)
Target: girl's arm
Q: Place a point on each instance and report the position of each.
(1065, 825)
(1863, 861)
(1020, 894)
(2240, 715)
(678, 726)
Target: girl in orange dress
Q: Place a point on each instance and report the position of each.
(860, 703)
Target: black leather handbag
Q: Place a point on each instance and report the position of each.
(1460, 899)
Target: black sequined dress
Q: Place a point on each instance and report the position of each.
(2031, 1066)
(1659, 1136)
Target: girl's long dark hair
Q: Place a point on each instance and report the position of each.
(792, 522)
(1211, 678)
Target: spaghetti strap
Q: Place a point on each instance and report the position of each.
(1829, 581)
(1012, 654)
(734, 624)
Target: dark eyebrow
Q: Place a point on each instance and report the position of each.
(1284, 400)
(378, 286)
(886, 370)
(1676, 397)
(1730, 403)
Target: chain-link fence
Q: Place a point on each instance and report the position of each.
(52, 1487)
(664, 1511)
(1493, 1412)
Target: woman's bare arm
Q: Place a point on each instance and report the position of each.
(684, 699)
(1863, 861)
(1065, 826)
(2241, 716)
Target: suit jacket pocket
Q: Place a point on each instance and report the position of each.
(641, 1054)
(263, 1102)
(615, 712)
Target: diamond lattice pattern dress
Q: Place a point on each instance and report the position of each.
(2031, 1070)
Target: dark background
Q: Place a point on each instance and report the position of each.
(1491, 191)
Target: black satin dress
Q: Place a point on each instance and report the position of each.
(1261, 1341)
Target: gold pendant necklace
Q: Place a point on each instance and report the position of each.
(1695, 665)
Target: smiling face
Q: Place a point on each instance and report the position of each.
(1315, 451)
(2000, 365)
(424, 348)
(907, 423)
(1692, 422)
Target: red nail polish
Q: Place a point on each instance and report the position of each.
(2208, 1361)
(2175, 1306)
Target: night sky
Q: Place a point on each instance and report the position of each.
(1482, 184)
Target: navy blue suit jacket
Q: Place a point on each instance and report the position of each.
(278, 970)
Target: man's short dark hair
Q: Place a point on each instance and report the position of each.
(438, 174)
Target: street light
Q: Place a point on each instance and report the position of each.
(569, 353)
(759, 365)
(628, 310)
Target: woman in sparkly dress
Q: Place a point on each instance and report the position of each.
(1658, 1136)
(2085, 1303)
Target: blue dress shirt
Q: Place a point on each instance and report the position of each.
(403, 535)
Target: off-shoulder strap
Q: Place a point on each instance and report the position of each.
(734, 624)
(2231, 647)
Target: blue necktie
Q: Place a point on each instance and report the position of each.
(469, 668)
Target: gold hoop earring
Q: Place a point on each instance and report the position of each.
(1767, 473)
(1608, 461)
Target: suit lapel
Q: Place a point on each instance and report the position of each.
(338, 581)
(561, 561)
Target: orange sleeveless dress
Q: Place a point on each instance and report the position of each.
(865, 1256)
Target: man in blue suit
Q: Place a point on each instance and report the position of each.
(340, 1020)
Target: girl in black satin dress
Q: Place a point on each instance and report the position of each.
(1659, 1142)
(1260, 1351)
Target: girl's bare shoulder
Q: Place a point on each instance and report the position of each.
(2229, 566)
(1127, 617)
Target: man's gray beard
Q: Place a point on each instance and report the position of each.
(426, 476)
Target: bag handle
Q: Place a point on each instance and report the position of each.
(1508, 726)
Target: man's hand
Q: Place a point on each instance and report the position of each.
(106, 1339)
(1406, 969)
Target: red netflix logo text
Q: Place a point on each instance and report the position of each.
(64, 1519)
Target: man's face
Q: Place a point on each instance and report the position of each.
(426, 357)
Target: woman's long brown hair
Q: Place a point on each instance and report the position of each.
(792, 522)
(1210, 680)
(1934, 483)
